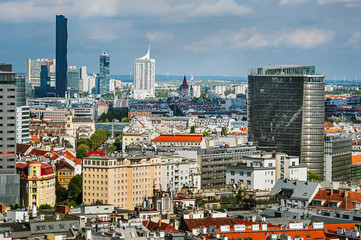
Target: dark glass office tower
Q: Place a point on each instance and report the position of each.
(61, 55)
(104, 73)
(286, 111)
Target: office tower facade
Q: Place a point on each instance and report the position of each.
(47, 82)
(20, 91)
(338, 157)
(144, 77)
(61, 55)
(9, 180)
(33, 72)
(286, 111)
(104, 73)
(76, 76)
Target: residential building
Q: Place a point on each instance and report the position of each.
(37, 183)
(286, 111)
(144, 77)
(295, 193)
(22, 124)
(214, 162)
(50, 113)
(65, 172)
(180, 140)
(9, 180)
(61, 55)
(261, 171)
(338, 157)
(337, 199)
(104, 73)
(121, 181)
(178, 173)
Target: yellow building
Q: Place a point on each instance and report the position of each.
(65, 173)
(37, 183)
(73, 124)
(121, 181)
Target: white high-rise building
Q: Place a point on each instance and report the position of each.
(144, 77)
(22, 124)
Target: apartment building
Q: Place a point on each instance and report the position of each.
(37, 183)
(121, 181)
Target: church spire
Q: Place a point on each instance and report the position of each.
(68, 104)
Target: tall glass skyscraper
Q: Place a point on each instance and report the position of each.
(286, 111)
(61, 55)
(104, 73)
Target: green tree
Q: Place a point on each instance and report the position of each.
(312, 177)
(45, 206)
(61, 193)
(125, 119)
(229, 91)
(75, 187)
(82, 150)
(98, 202)
(224, 131)
(86, 141)
(112, 149)
(205, 133)
(193, 129)
(241, 95)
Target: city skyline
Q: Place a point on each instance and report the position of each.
(224, 37)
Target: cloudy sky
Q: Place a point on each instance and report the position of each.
(203, 37)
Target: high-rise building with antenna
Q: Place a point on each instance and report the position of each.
(61, 55)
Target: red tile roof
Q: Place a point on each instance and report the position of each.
(179, 138)
(159, 227)
(345, 198)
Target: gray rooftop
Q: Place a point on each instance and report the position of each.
(302, 190)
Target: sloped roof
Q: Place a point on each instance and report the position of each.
(159, 227)
(179, 138)
(22, 148)
(302, 190)
(356, 158)
(339, 196)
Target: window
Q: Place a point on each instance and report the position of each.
(249, 174)
(232, 173)
(248, 182)
(61, 226)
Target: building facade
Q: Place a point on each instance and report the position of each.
(124, 182)
(9, 180)
(61, 55)
(214, 162)
(286, 112)
(22, 124)
(37, 183)
(338, 157)
(104, 73)
(144, 77)
(65, 172)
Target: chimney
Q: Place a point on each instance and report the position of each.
(159, 224)
(331, 192)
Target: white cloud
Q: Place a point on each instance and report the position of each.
(292, 2)
(354, 40)
(252, 38)
(222, 8)
(38, 10)
(158, 36)
(346, 3)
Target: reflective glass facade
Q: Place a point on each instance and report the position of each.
(286, 112)
(61, 55)
(104, 73)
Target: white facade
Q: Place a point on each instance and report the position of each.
(22, 124)
(178, 172)
(144, 77)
